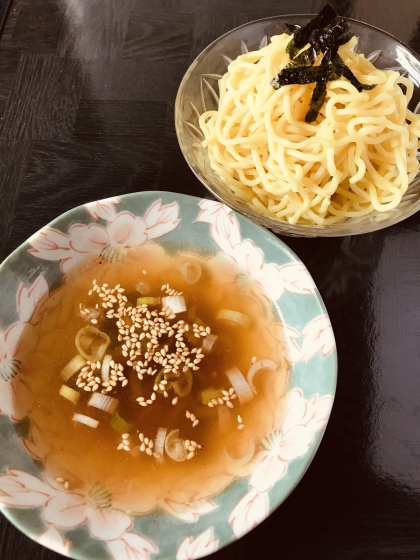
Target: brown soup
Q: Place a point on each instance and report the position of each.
(167, 381)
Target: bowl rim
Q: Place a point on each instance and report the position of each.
(305, 230)
(268, 237)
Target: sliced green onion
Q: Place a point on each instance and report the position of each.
(208, 343)
(105, 367)
(209, 394)
(175, 303)
(261, 364)
(225, 418)
(233, 317)
(240, 384)
(87, 420)
(74, 365)
(149, 300)
(92, 343)
(119, 424)
(175, 446)
(103, 402)
(189, 268)
(160, 441)
(69, 394)
(135, 452)
(183, 387)
(143, 288)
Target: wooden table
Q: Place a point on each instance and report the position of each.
(87, 90)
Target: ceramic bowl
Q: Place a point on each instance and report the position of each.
(198, 93)
(67, 521)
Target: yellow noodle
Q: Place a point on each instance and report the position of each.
(359, 156)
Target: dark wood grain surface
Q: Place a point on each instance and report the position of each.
(87, 90)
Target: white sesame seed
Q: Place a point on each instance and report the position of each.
(188, 414)
(66, 485)
(60, 480)
(142, 447)
(149, 401)
(210, 404)
(254, 359)
(175, 400)
(142, 403)
(239, 419)
(190, 455)
(165, 394)
(193, 418)
(241, 426)
(125, 436)
(124, 383)
(141, 437)
(229, 404)
(195, 423)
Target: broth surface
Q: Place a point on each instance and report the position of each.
(88, 458)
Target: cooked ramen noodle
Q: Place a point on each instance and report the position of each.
(358, 156)
(154, 379)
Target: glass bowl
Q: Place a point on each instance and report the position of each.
(198, 93)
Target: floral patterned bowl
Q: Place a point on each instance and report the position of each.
(67, 521)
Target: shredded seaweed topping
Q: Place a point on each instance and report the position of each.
(323, 35)
(301, 35)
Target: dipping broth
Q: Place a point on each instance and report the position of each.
(179, 417)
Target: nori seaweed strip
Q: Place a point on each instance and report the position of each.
(301, 35)
(309, 56)
(331, 53)
(305, 58)
(320, 92)
(300, 75)
(345, 71)
(310, 74)
(326, 39)
(318, 98)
